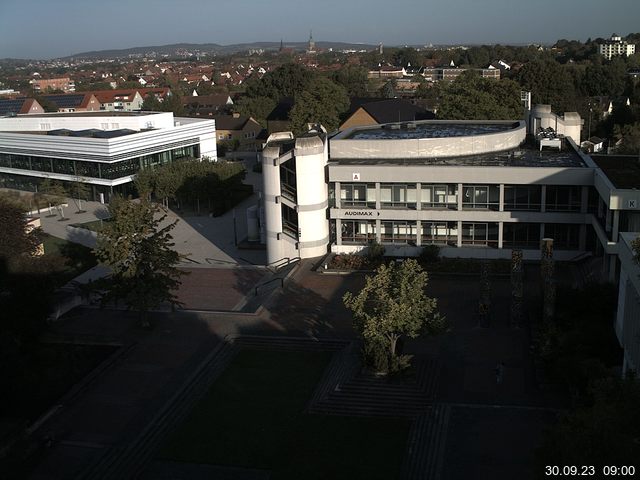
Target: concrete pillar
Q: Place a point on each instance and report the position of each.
(582, 239)
(460, 196)
(419, 231)
(378, 223)
(272, 206)
(501, 208)
(377, 195)
(338, 199)
(500, 231)
(418, 197)
(543, 200)
(615, 226)
(338, 231)
(459, 242)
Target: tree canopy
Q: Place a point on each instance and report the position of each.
(321, 102)
(139, 251)
(471, 97)
(392, 304)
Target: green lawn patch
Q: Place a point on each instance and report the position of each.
(94, 226)
(253, 417)
(76, 258)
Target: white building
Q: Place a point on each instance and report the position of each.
(628, 317)
(102, 149)
(616, 46)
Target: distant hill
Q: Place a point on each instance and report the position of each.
(213, 48)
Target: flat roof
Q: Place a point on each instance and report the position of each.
(622, 170)
(523, 157)
(100, 113)
(427, 129)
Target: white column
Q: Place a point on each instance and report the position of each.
(272, 207)
(500, 232)
(501, 209)
(459, 197)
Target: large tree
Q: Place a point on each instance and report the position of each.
(139, 251)
(393, 304)
(471, 97)
(321, 102)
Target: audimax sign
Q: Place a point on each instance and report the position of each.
(361, 213)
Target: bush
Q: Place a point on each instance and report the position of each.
(376, 356)
(430, 254)
(349, 261)
(375, 250)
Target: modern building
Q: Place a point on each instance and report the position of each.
(616, 46)
(104, 150)
(477, 189)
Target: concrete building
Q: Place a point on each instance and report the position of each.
(627, 324)
(104, 150)
(616, 46)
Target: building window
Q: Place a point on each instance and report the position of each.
(398, 232)
(288, 182)
(358, 195)
(481, 196)
(565, 236)
(480, 234)
(358, 231)
(440, 233)
(522, 197)
(521, 235)
(289, 221)
(439, 196)
(563, 198)
(398, 195)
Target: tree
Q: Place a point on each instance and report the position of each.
(393, 304)
(353, 78)
(471, 97)
(139, 252)
(258, 108)
(79, 191)
(322, 102)
(550, 83)
(55, 195)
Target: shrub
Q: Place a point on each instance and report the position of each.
(430, 254)
(349, 261)
(375, 250)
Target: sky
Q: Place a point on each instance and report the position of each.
(42, 29)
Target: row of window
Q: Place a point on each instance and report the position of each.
(516, 197)
(109, 171)
(515, 235)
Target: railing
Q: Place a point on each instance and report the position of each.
(279, 279)
(283, 262)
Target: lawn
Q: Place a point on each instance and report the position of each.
(253, 417)
(78, 258)
(94, 226)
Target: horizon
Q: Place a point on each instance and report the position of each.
(72, 27)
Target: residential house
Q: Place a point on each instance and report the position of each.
(74, 102)
(232, 128)
(19, 106)
(207, 105)
(123, 100)
(376, 111)
(45, 84)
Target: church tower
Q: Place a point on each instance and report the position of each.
(311, 48)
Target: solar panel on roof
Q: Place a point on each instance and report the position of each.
(65, 101)
(11, 106)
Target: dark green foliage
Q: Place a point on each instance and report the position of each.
(605, 432)
(471, 97)
(321, 102)
(349, 261)
(213, 185)
(139, 252)
(393, 304)
(549, 83)
(430, 254)
(353, 78)
(375, 250)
